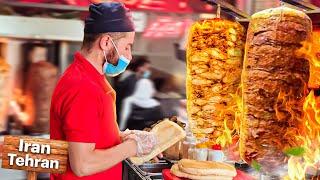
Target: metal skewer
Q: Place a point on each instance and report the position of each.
(229, 9)
(218, 11)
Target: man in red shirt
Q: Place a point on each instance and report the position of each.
(83, 103)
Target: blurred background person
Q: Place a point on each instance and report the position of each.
(140, 110)
(166, 95)
(127, 81)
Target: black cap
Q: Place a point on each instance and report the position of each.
(108, 17)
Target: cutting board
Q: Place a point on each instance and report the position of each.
(168, 133)
(167, 175)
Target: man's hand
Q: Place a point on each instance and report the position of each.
(146, 141)
(125, 134)
(159, 156)
(132, 135)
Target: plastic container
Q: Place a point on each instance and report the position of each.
(216, 154)
(186, 145)
(191, 150)
(191, 153)
(201, 154)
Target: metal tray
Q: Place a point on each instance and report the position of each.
(156, 177)
(153, 169)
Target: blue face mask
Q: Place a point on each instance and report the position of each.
(112, 70)
(146, 74)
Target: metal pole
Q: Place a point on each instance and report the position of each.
(63, 56)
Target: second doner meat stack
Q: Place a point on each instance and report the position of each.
(214, 60)
(274, 83)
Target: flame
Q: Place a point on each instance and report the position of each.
(24, 103)
(308, 134)
(4, 67)
(284, 108)
(238, 109)
(226, 136)
(311, 51)
(231, 132)
(314, 55)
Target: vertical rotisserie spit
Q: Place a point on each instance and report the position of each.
(274, 85)
(214, 62)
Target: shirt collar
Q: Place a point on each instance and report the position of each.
(92, 72)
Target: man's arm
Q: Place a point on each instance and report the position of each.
(86, 160)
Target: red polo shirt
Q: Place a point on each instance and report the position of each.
(83, 110)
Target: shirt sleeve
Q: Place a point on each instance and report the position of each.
(81, 118)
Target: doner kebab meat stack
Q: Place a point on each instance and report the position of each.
(214, 62)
